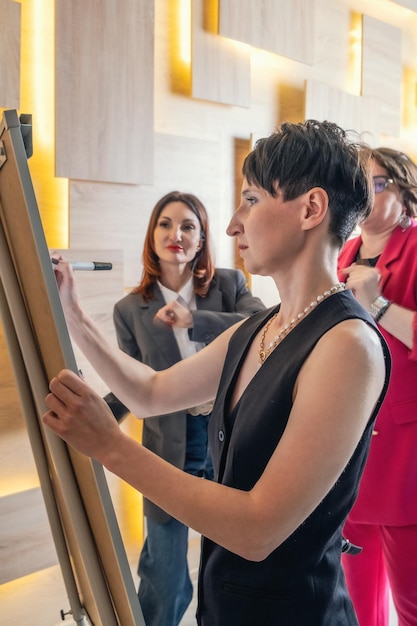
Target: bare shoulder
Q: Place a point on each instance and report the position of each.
(338, 388)
(350, 360)
(352, 357)
(354, 337)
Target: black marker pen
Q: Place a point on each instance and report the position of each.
(87, 265)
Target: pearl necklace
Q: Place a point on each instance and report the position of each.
(265, 352)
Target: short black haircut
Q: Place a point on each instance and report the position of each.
(298, 157)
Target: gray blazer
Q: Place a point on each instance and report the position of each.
(228, 301)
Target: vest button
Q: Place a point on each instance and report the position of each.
(221, 435)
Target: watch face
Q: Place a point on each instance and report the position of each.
(381, 301)
(378, 307)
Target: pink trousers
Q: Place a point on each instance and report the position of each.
(388, 560)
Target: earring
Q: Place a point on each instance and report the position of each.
(404, 221)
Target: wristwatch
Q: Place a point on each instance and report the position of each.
(378, 307)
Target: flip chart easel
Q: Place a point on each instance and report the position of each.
(83, 523)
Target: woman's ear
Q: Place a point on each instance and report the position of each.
(201, 242)
(316, 207)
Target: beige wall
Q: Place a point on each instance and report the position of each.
(135, 121)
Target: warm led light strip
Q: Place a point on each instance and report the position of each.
(38, 99)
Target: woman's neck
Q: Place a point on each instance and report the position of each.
(175, 277)
(305, 278)
(373, 244)
(297, 293)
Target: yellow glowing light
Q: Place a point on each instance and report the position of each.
(11, 592)
(355, 55)
(184, 31)
(128, 501)
(409, 97)
(409, 112)
(179, 17)
(38, 99)
(19, 483)
(41, 78)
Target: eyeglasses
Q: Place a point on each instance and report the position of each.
(381, 183)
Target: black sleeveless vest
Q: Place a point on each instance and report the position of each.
(301, 583)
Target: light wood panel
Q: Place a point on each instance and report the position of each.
(409, 4)
(9, 54)
(220, 69)
(358, 113)
(104, 90)
(117, 216)
(282, 27)
(382, 71)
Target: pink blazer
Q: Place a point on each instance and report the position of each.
(388, 490)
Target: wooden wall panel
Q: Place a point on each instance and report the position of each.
(358, 113)
(220, 69)
(282, 27)
(10, 54)
(408, 4)
(104, 90)
(117, 216)
(382, 71)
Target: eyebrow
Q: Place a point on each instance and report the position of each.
(248, 191)
(193, 220)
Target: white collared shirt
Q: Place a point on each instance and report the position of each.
(187, 295)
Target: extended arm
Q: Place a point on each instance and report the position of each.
(324, 428)
(145, 391)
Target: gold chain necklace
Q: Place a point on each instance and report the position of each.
(265, 352)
